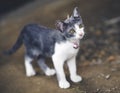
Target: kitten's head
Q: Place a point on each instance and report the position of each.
(72, 27)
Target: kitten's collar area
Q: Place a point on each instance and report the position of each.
(76, 45)
(75, 42)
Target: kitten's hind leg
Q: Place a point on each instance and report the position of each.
(28, 66)
(48, 71)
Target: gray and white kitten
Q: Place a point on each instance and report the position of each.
(61, 44)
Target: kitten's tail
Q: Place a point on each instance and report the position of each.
(16, 46)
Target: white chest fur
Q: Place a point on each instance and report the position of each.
(65, 50)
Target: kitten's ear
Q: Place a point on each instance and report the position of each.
(75, 12)
(76, 16)
(60, 25)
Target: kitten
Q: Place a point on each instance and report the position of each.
(61, 44)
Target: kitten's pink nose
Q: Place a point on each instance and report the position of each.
(81, 34)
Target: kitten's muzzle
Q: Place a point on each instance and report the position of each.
(81, 35)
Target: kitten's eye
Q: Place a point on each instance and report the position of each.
(72, 31)
(81, 25)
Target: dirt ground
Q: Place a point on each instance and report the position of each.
(98, 61)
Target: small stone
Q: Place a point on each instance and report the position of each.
(108, 90)
(107, 76)
(113, 69)
(98, 90)
(111, 58)
(113, 88)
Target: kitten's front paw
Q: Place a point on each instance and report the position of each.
(76, 78)
(64, 84)
(50, 72)
(30, 73)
